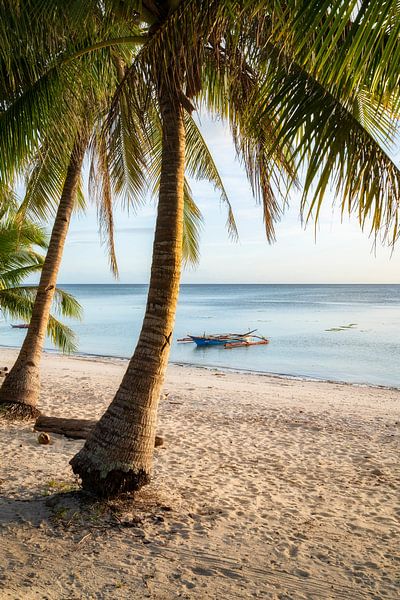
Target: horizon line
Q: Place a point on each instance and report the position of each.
(238, 283)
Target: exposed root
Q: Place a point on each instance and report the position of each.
(113, 485)
(16, 411)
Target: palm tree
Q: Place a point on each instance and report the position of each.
(311, 93)
(57, 172)
(20, 390)
(304, 86)
(19, 259)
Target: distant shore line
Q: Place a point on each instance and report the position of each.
(109, 358)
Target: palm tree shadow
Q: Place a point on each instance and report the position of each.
(54, 509)
(77, 510)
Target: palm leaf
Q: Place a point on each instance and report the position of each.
(192, 224)
(18, 303)
(66, 305)
(331, 146)
(13, 276)
(100, 189)
(62, 336)
(200, 165)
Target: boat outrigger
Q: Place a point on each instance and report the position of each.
(227, 340)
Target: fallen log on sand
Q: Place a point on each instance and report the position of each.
(78, 429)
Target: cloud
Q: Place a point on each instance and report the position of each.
(94, 231)
(134, 229)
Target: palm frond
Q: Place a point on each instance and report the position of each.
(126, 144)
(62, 336)
(18, 302)
(268, 159)
(8, 201)
(15, 304)
(15, 232)
(100, 189)
(192, 224)
(66, 305)
(200, 165)
(14, 276)
(80, 204)
(347, 45)
(332, 146)
(45, 179)
(39, 107)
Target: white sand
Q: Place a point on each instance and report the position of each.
(266, 487)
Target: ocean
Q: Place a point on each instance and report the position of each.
(347, 333)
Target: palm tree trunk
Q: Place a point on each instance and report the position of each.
(20, 391)
(118, 455)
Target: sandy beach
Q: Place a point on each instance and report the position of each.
(265, 488)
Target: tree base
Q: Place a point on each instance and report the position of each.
(114, 484)
(17, 411)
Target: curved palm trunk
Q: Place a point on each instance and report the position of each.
(20, 391)
(118, 455)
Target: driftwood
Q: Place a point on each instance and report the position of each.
(77, 429)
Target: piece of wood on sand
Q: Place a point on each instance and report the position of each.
(77, 429)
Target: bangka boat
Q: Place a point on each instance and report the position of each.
(227, 340)
(211, 340)
(20, 326)
(256, 341)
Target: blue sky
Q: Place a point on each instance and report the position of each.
(339, 253)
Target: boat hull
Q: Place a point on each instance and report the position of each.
(223, 339)
(204, 341)
(210, 341)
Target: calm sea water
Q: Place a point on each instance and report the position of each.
(303, 323)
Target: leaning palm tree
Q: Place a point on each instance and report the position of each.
(308, 90)
(56, 172)
(19, 391)
(19, 258)
(56, 168)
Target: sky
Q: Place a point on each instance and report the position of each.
(335, 252)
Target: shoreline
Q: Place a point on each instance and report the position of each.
(265, 487)
(209, 367)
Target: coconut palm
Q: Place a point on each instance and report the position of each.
(56, 172)
(19, 258)
(20, 390)
(308, 90)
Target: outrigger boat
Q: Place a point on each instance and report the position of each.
(21, 326)
(227, 340)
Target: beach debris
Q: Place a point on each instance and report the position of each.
(77, 429)
(3, 371)
(85, 537)
(44, 438)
